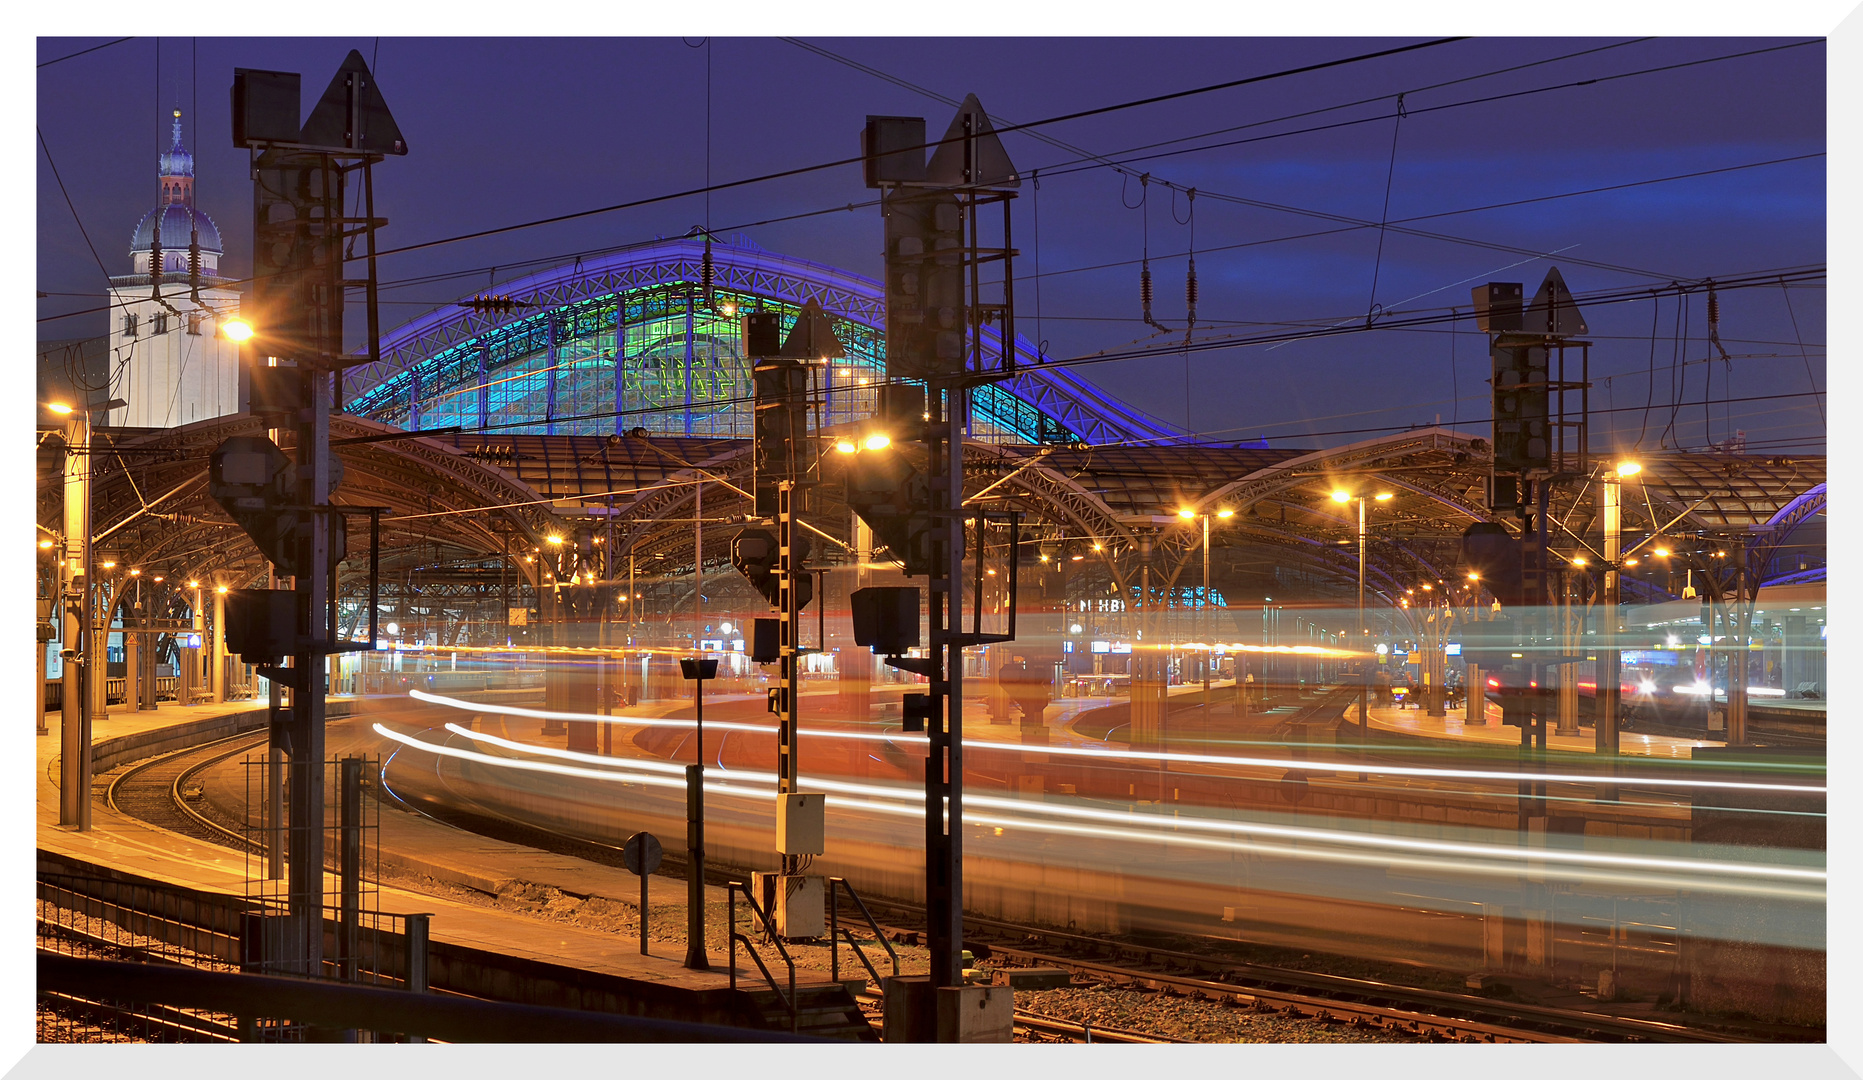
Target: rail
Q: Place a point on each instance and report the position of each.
(732, 888)
(836, 931)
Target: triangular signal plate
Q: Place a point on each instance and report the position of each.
(812, 337)
(1553, 311)
(993, 169)
(329, 123)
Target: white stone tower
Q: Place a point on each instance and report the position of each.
(168, 359)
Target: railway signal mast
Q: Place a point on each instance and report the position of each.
(936, 317)
(304, 237)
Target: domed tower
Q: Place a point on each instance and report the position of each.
(164, 335)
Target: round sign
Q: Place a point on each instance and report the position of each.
(641, 853)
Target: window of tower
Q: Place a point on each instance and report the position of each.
(161, 323)
(129, 325)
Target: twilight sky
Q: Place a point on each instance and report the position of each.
(504, 131)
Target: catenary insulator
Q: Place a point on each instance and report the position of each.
(1145, 290)
(705, 270)
(1714, 308)
(1190, 290)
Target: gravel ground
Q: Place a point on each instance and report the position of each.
(1152, 1012)
(1177, 1017)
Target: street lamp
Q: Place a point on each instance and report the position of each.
(1188, 514)
(81, 654)
(1340, 495)
(696, 670)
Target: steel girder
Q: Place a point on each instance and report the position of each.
(184, 531)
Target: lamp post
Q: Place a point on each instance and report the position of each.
(83, 672)
(696, 670)
(1203, 622)
(1604, 735)
(1364, 712)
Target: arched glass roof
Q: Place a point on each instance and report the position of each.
(630, 341)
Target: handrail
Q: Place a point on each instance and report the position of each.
(835, 932)
(732, 888)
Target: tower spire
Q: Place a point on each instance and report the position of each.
(177, 174)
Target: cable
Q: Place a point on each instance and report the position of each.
(805, 169)
(82, 231)
(1397, 125)
(1809, 377)
(81, 52)
(1650, 399)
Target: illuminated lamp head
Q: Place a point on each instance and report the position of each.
(1186, 513)
(236, 329)
(1342, 496)
(844, 446)
(1383, 496)
(877, 441)
(1226, 512)
(60, 408)
(1628, 468)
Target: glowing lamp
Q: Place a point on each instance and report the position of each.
(1628, 468)
(194, 584)
(1578, 561)
(236, 329)
(843, 446)
(1382, 496)
(1341, 496)
(220, 589)
(877, 442)
(554, 538)
(60, 408)
(45, 544)
(1187, 513)
(1225, 512)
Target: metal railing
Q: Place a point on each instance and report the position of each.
(179, 997)
(732, 888)
(94, 914)
(836, 932)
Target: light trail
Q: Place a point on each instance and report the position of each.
(1130, 755)
(1489, 860)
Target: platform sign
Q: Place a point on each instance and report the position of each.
(640, 853)
(1122, 646)
(1454, 648)
(1100, 646)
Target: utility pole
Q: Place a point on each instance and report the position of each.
(74, 768)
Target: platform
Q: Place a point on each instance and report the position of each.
(411, 844)
(1452, 727)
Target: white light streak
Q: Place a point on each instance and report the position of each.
(1131, 755)
(1487, 859)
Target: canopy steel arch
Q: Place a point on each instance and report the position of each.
(1059, 393)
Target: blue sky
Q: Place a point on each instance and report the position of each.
(504, 131)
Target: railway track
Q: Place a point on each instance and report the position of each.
(152, 791)
(155, 791)
(1426, 1014)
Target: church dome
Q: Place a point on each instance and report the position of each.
(177, 220)
(178, 217)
